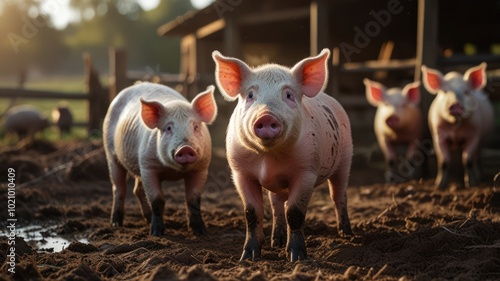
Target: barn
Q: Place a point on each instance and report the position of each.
(384, 40)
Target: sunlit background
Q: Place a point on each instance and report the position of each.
(65, 13)
(42, 44)
(48, 37)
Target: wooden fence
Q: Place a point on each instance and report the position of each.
(98, 97)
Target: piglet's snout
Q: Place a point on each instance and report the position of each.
(392, 121)
(456, 109)
(267, 127)
(185, 155)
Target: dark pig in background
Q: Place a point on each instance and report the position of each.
(24, 121)
(62, 118)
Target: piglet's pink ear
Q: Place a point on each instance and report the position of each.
(312, 73)
(204, 104)
(476, 76)
(229, 73)
(374, 92)
(151, 111)
(432, 78)
(412, 92)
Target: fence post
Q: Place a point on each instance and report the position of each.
(117, 71)
(98, 100)
(22, 78)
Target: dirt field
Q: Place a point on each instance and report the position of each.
(402, 232)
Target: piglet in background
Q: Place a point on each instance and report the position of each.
(286, 136)
(461, 116)
(398, 121)
(24, 121)
(62, 118)
(155, 134)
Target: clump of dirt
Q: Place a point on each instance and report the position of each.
(92, 166)
(407, 231)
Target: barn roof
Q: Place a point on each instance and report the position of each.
(189, 22)
(193, 20)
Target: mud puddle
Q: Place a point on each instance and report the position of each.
(50, 239)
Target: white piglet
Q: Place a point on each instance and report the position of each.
(286, 136)
(398, 121)
(155, 134)
(460, 116)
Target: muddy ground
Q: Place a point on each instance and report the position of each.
(406, 231)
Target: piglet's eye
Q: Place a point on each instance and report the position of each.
(196, 127)
(169, 128)
(289, 95)
(250, 95)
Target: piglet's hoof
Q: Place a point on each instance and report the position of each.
(296, 248)
(278, 241)
(251, 250)
(156, 226)
(253, 255)
(117, 219)
(197, 226)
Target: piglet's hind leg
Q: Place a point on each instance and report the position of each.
(278, 237)
(141, 196)
(118, 179)
(337, 186)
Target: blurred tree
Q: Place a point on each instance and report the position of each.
(89, 8)
(27, 39)
(122, 23)
(163, 53)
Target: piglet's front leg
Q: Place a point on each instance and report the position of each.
(443, 161)
(471, 178)
(194, 187)
(390, 160)
(154, 194)
(295, 213)
(251, 194)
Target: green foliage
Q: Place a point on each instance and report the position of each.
(79, 108)
(66, 84)
(125, 25)
(29, 42)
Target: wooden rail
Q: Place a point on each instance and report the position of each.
(96, 95)
(99, 97)
(39, 94)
